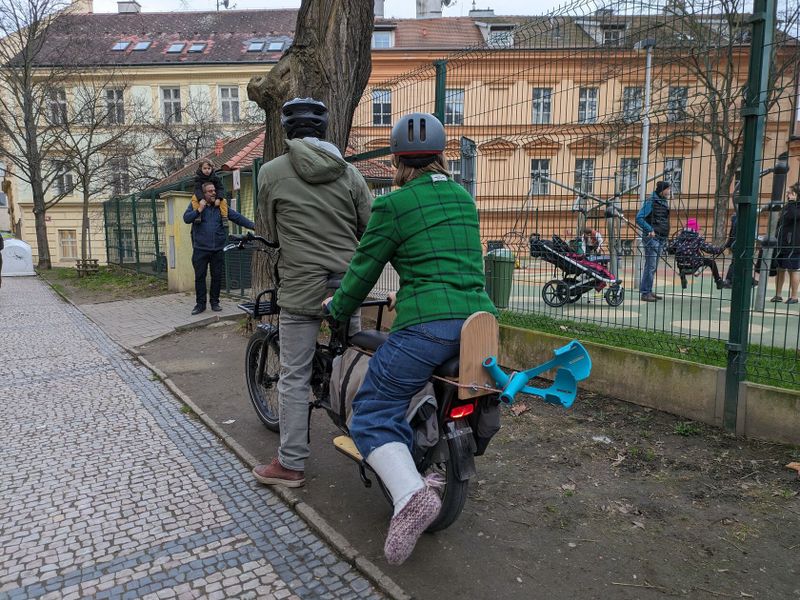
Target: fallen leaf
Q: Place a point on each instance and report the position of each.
(519, 408)
(618, 460)
(683, 350)
(568, 487)
(638, 524)
(794, 466)
(229, 421)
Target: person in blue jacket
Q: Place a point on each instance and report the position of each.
(653, 220)
(209, 235)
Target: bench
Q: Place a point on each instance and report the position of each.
(88, 266)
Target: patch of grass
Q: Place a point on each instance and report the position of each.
(108, 279)
(765, 364)
(687, 428)
(186, 409)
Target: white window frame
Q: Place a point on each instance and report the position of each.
(454, 106)
(68, 243)
(677, 103)
(616, 38)
(169, 113)
(119, 175)
(229, 104)
(632, 103)
(381, 109)
(57, 106)
(588, 104)
(628, 172)
(63, 181)
(675, 177)
(541, 166)
(382, 39)
(541, 113)
(454, 166)
(584, 175)
(115, 106)
(500, 37)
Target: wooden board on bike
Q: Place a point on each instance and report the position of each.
(480, 338)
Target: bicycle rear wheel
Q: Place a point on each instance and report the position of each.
(262, 370)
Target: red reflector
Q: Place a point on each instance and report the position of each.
(462, 411)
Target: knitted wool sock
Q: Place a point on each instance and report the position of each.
(394, 465)
(411, 522)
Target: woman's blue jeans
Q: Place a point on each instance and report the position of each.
(397, 371)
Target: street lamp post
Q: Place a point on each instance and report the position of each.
(647, 45)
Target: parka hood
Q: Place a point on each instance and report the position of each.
(313, 162)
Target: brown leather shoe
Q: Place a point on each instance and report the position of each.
(649, 298)
(276, 474)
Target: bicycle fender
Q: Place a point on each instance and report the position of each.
(462, 450)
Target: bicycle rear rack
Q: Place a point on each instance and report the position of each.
(260, 307)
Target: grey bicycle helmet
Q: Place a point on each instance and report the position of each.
(303, 117)
(417, 139)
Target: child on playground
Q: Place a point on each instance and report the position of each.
(688, 248)
(206, 174)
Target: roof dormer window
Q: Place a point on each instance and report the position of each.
(501, 36)
(197, 47)
(120, 46)
(382, 39)
(275, 46)
(255, 46)
(140, 46)
(176, 48)
(613, 35)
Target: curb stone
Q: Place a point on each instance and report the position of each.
(336, 540)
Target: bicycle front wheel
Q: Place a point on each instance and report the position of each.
(262, 370)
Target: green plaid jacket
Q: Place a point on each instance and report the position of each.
(428, 230)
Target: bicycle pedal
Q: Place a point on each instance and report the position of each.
(345, 445)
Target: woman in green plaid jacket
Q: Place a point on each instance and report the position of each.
(428, 230)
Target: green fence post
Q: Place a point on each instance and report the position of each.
(441, 85)
(105, 226)
(754, 115)
(156, 247)
(135, 231)
(119, 233)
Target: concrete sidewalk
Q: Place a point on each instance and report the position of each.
(132, 323)
(111, 491)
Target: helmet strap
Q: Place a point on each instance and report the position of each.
(417, 162)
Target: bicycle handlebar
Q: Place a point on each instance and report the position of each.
(241, 240)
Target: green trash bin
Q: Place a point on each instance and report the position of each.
(499, 270)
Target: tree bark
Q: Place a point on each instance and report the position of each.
(41, 226)
(330, 60)
(85, 224)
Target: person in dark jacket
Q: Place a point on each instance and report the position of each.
(209, 235)
(653, 220)
(787, 258)
(689, 247)
(730, 244)
(206, 174)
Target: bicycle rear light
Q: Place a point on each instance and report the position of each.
(464, 410)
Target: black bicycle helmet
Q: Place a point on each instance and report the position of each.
(303, 117)
(417, 139)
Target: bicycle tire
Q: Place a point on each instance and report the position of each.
(454, 495)
(264, 398)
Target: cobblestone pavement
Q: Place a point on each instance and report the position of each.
(132, 323)
(110, 491)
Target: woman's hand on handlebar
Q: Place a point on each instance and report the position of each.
(391, 298)
(326, 305)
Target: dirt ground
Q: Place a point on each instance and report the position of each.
(605, 500)
(109, 285)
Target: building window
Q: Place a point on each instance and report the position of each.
(126, 246)
(57, 107)
(381, 107)
(454, 166)
(676, 103)
(140, 46)
(540, 167)
(673, 172)
(119, 175)
(632, 103)
(584, 175)
(381, 190)
(63, 182)
(587, 105)
(197, 47)
(175, 48)
(255, 46)
(501, 37)
(115, 106)
(172, 164)
(613, 36)
(454, 107)
(275, 46)
(629, 173)
(120, 46)
(382, 40)
(541, 105)
(68, 243)
(171, 105)
(229, 104)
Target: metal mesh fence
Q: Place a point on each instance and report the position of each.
(135, 234)
(561, 128)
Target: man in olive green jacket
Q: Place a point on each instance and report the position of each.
(316, 206)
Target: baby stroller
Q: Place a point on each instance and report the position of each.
(580, 274)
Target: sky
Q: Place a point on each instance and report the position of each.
(393, 8)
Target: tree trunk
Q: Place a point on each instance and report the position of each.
(330, 60)
(39, 221)
(85, 224)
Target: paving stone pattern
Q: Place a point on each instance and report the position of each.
(109, 491)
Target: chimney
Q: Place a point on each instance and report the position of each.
(429, 9)
(128, 7)
(82, 7)
(481, 12)
(379, 8)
